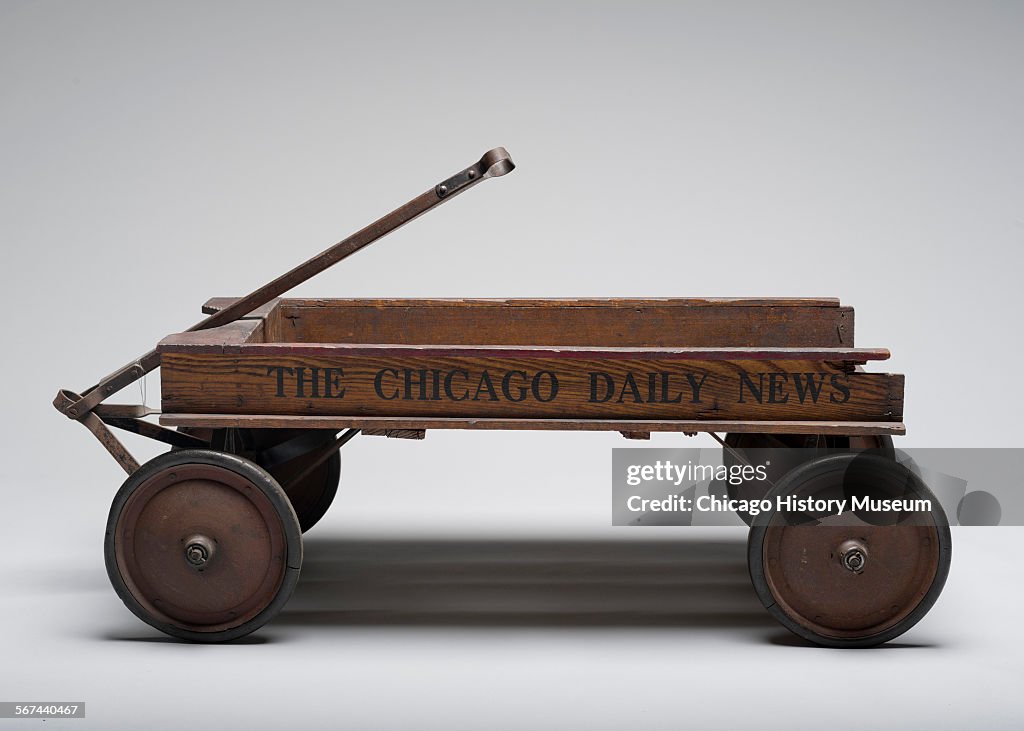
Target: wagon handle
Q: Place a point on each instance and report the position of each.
(493, 164)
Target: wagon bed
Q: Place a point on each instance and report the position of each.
(630, 365)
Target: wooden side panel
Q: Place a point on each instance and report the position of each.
(472, 386)
(596, 323)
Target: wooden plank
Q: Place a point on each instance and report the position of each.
(216, 304)
(562, 322)
(354, 381)
(612, 323)
(237, 341)
(215, 339)
(272, 421)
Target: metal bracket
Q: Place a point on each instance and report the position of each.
(155, 431)
(112, 444)
(74, 406)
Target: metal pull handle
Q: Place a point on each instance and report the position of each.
(493, 164)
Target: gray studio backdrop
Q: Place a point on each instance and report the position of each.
(156, 154)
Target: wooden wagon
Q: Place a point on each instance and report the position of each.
(204, 541)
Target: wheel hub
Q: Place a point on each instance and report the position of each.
(199, 550)
(853, 555)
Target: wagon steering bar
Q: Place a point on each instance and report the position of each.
(493, 164)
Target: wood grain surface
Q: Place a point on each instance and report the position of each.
(633, 365)
(434, 385)
(700, 322)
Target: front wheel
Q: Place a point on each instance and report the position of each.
(203, 545)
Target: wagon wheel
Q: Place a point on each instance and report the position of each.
(203, 545)
(783, 461)
(847, 580)
(285, 453)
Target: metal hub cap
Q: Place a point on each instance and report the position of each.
(853, 555)
(198, 551)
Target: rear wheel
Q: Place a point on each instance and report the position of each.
(850, 579)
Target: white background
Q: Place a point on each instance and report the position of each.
(155, 155)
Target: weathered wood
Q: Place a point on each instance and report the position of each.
(523, 362)
(271, 421)
(835, 358)
(667, 322)
(216, 304)
(257, 337)
(396, 433)
(542, 384)
(613, 322)
(216, 339)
